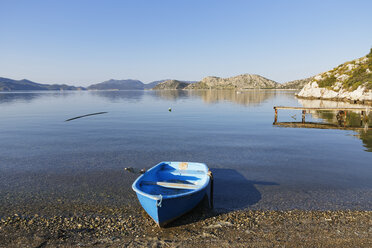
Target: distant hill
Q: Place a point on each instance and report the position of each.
(171, 85)
(112, 84)
(154, 83)
(296, 84)
(244, 81)
(7, 84)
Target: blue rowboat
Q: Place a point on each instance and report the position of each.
(171, 189)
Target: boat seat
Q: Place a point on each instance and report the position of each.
(171, 185)
(185, 172)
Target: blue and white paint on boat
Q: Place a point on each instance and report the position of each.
(171, 189)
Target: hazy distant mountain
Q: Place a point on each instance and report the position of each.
(244, 81)
(112, 84)
(7, 84)
(126, 84)
(171, 85)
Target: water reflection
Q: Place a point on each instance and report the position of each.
(317, 103)
(116, 96)
(19, 97)
(352, 121)
(171, 95)
(246, 97)
(366, 137)
(112, 96)
(30, 96)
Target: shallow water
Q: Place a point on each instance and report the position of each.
(47, 163)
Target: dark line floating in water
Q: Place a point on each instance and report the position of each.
(81, 116)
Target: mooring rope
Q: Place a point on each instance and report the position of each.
(210, 174)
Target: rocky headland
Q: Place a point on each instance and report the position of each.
(244, 81)
(351, 81)
(171, 85)
(296, 84)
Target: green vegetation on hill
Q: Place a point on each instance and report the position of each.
(327, 82)
(360, 75)
(357, 72)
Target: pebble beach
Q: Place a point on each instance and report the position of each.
(131, 227)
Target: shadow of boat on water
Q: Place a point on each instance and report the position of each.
(232, 191)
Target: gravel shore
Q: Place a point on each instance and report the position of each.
(131, 227)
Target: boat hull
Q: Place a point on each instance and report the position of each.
(163, 208)
(166, 210)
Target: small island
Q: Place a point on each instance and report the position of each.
(171, 85)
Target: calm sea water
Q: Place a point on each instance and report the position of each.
(47, 163)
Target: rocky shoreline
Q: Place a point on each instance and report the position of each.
(131, 227)
(346, 100)
(313, 91)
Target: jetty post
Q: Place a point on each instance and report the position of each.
(303, 116)
(361, 118)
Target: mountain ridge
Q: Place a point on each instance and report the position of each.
(114, 84)
(243, 81)
(7, 84)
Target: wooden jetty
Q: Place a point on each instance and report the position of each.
(364, 111)
(341, 116)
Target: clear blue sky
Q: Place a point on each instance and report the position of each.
(82, 42)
